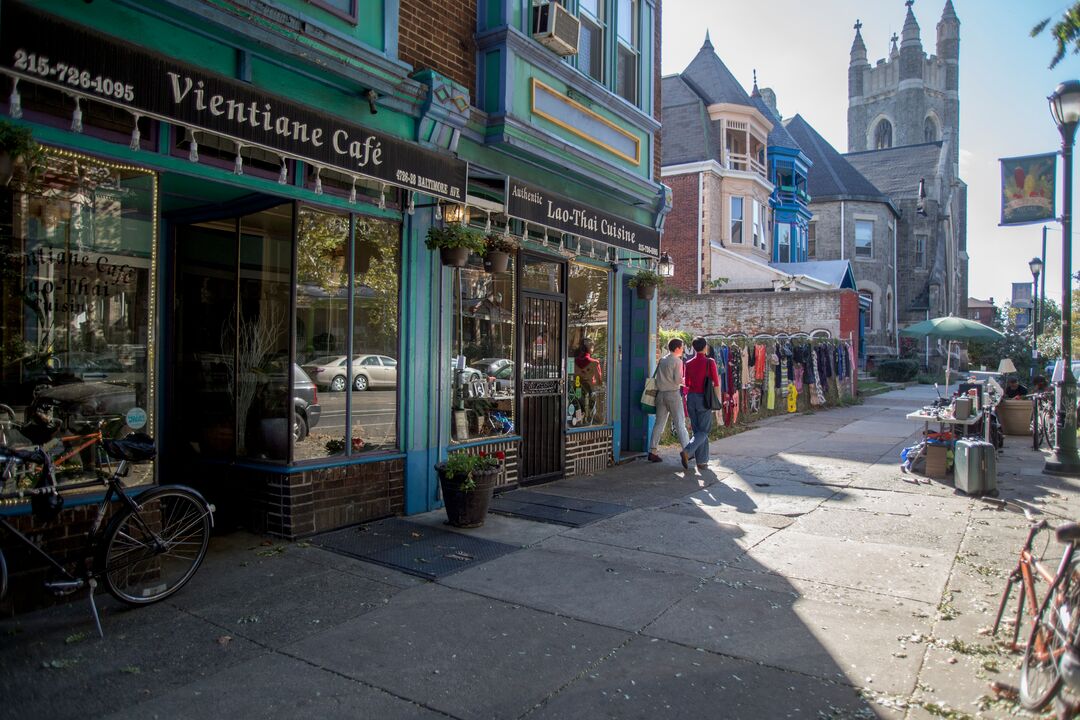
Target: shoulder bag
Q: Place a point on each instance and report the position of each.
(648, 395)
(711, 394)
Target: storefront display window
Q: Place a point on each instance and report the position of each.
(483, 371)
(76, 247)
(369, 378)
(587, 346)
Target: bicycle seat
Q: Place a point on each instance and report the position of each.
(136, 447)
(1068, 532)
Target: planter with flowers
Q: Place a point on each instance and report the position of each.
(646, 282)
(455, 242)
(468, 482)
(499, 250)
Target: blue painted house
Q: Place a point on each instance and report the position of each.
(789, 168)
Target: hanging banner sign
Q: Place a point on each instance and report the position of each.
(527, 202)
(43, 49)
(1027, 189)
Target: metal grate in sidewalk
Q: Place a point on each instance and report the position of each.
(554, 509)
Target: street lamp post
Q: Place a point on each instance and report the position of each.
(1036, 266)
(1065, 108)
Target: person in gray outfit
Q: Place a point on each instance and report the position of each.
(669, 399)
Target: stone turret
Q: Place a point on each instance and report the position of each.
(948, 52)
(910, 110)
(857, 70)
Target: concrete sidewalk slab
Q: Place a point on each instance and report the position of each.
(605, 588)
(650, 679)
(761, 495)
(895, 570)
(849, 642)
(276, 687)
(461, 654)
(700, 538)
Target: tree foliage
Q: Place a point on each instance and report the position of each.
(1065, 33)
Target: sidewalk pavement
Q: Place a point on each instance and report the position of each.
(801, 575)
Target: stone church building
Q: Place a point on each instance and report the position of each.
(903, 136)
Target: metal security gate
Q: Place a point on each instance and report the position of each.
(543, 373)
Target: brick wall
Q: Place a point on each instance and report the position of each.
(681, 230)
(318, 500)
(440, 37)
(754, 312)
(588, 452)
(509, 475)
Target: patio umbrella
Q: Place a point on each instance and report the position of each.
(951, 328)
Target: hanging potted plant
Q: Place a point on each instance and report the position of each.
(16, 144)
(646, 282)
(499, 250)
(455, 242)
(468, 482)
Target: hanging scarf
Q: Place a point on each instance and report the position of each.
(759, 362)
(815, 390)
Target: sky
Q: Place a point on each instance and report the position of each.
(801, 50)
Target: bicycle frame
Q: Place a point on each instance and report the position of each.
(1022, 573)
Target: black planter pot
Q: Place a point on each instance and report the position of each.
(496, 261)
(467, 509)
(454, 257)
(646, 292)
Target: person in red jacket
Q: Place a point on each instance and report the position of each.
(697, 369)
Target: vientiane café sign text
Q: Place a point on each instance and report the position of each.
(46, 50)
(530, 203)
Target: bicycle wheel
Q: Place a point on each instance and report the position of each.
(1040, 676)
(149, 555)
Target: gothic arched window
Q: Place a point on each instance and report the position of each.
(929, 130)
(883, 135)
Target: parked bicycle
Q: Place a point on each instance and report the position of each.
(1046, 413)
(1052, 654)
(1030, 570)
(151, 545)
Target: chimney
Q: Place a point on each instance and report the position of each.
(769, 98)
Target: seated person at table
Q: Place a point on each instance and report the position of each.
(1013, 388)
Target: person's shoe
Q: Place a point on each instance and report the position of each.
(653, 457)
(685, 459)
(703, 466)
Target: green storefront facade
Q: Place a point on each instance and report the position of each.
(223, 244)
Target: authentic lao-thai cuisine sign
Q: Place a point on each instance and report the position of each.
(527, 202)
(1028, 189)
(46, 50)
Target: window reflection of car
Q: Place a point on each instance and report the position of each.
(80, 406)
(305, 404)
(489, 366)
(504, 378)
(369, 371)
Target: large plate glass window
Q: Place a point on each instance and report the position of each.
(483, 372)
(376, 341)
(587, 367)
(78, 277)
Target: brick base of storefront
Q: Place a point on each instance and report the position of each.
(588, 452)
(313, 501)
(509, 476)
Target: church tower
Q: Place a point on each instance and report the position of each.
(909, 97)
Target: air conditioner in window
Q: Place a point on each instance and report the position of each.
(556, 28)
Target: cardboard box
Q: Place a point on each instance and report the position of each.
(936, 460)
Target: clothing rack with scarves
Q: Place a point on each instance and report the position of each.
(759, 368)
